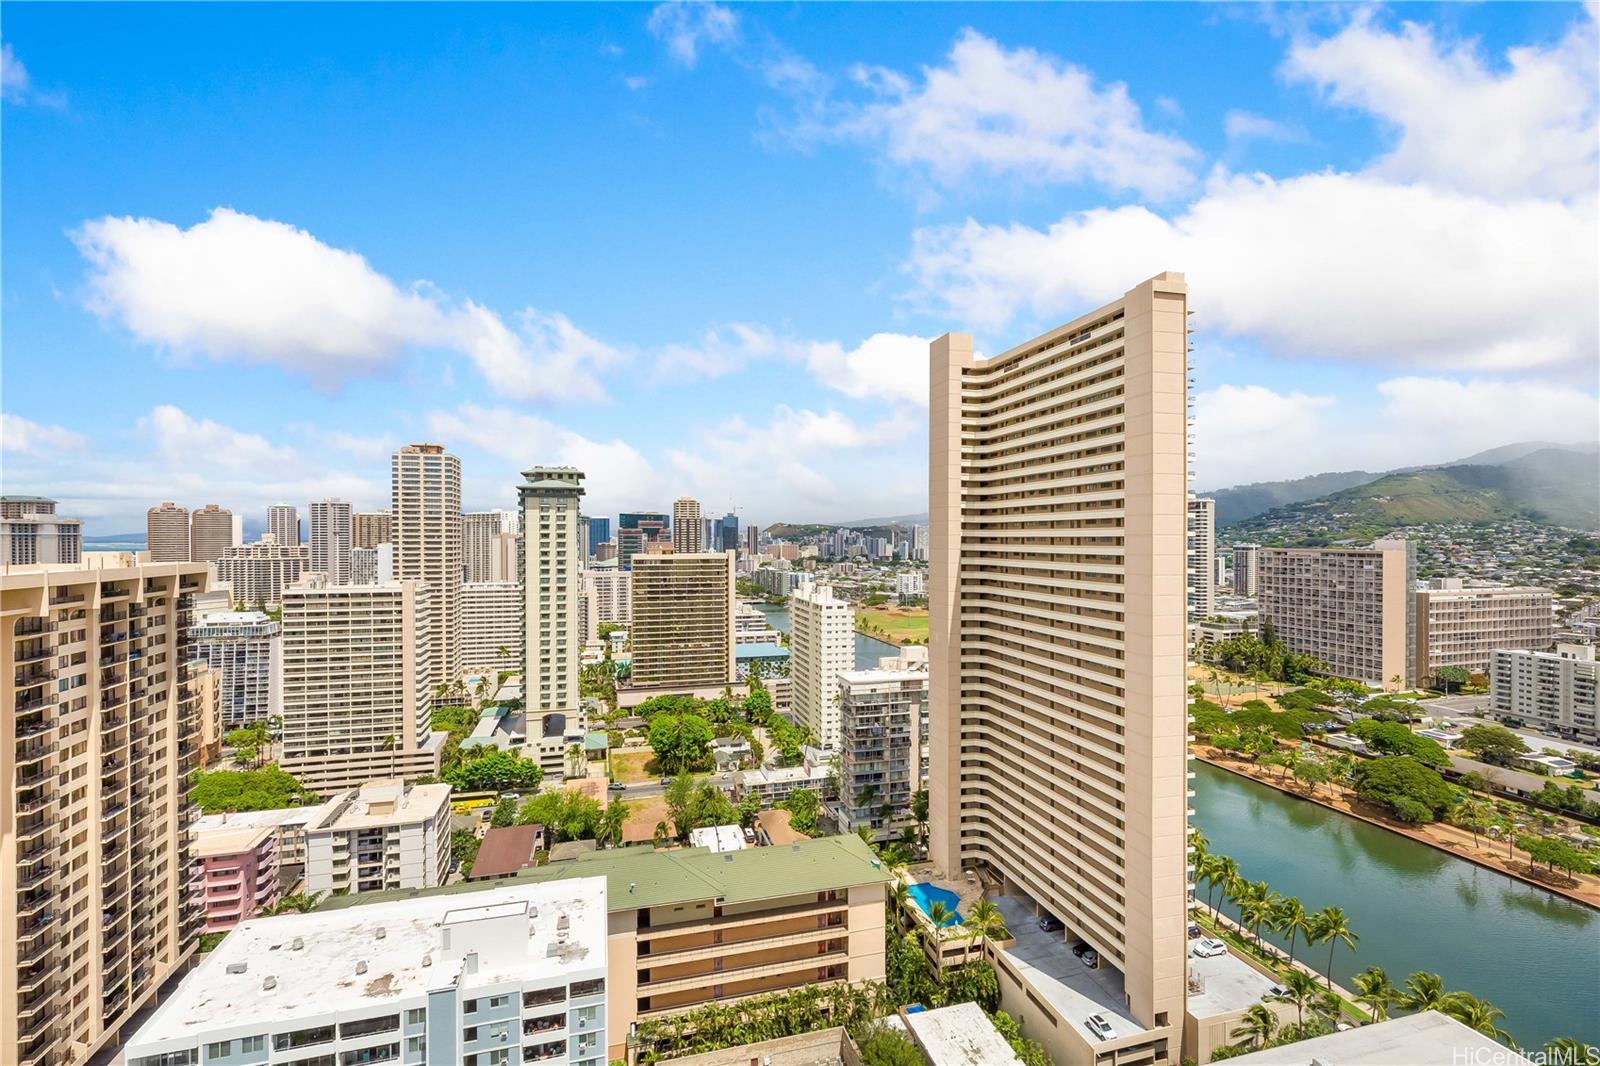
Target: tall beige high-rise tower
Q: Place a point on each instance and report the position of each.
(1058, 713)
(682, 628)
(100, 732)
(552, 558)
(331, 530)
(687, 534)
(210, 533)
(425, 528)
(167, 533)
(1202, 556)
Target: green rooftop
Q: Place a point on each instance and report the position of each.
(641, 876)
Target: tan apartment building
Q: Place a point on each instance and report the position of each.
(607, 597)
(485, 537)
(258, 573)
(32, 533)
(1202, 551)
(283, 522)
(1463, 627)
(368, 529)
(1058, 484)
(491, 626)
(331, 530)
(686, 529)
(1352, 608)
(425, 505)
(689, 927)
(166, 533)
(98, 738)
(210, 533)
(552, 563)
(682, 629)
(357, 688)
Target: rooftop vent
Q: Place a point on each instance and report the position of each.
(268, 984)
(381, 933)
(794, 847)
(427, 960)
(727, 856)
(297, 944)
(238, 967)
(361, 967)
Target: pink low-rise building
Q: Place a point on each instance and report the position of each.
(239, 875)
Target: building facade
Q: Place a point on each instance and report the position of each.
(1350, 608)
(499, 976)
(369, 529)
(372, 566)
(883, 748)
(1058, 713)
(258, 573)
(211, 533)
(1463, 627)
(1246, 568)
(687, 534)
(31, 533)
(822, 645)
(283, 522)
(425, 510)
(682, 627)
(382, 836)
(1547, 690)
(238, 876)
(357, 684)
(166, 533)
(491, 626)
(1202, 548)
(331, 530)
(482, 556)
(245, 649)
(97, 744)
(607, 597)
(599, 533)
(552, 559)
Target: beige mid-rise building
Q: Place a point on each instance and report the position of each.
(1557, 692)
(682, 629)
(1202, 548)
(258, 573)
(368, 529)
(283, 522)
(100, 732)
(331, 530)
(382, 836)
(822, 645)
(211, 533)
(607, 597)
(552, 561)
(1351, 608)
(687, 534)
(1057, 705)
(1463, 627)
(166, 533)
(357, 689)
(491, 626)
(32, 533)
(485, 536)
(425, 504)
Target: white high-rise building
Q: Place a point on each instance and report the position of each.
(607, 597)
(552, 558)
(31, 532)
(482, 555)
(372, 566)
(822, 645)
(425, 529)
(687, 534)
(491, 626)
(256, 574)
(283, 522)
(1553, 691)
(245, 651)
(330, 539)
(383, 836)
(1202, 546)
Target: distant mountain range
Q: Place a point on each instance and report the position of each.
(1553, 484)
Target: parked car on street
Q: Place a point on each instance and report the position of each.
(1050, 924)
(1207, 948)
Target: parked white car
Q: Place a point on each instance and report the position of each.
(1205, 949)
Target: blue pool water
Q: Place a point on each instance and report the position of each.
(926, 895)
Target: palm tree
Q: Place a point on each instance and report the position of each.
(1256, 1027)
(938, 914)
(1202, 846)
(1471, 814)
(1299, 988)
(1227, 875)
(1289, 918)
(1475, 1013)
(295, 903)
(1566, 1049)
(1332, 925)
(1424, 991)
(986, 923)
(1256, 909)
(1375, 991)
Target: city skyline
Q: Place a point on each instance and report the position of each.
(830, 240)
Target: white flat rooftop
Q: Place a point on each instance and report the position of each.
(1046, 963)
(319, 977)
(1427, 1039)
(417, 804)
(1227, 984)
(961, 1035)
(260, 819)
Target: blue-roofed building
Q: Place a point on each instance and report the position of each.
(770, 656)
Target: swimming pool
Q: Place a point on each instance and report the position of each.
(926, 895)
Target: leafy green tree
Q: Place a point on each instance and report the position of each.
(295, 903)
(266, 789)
(1471, 814)
(1392, 738)
(749, 807)
(609, 829)
(680, 741)
(802, 805)
(1394, 778)
(887, 1047)
(1494, 744)
(1446, 678)
(1310, 773)
(488, 768)
(464, 845)
(1031, 1052)
(505, 813)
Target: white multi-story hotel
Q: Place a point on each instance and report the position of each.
(257, 574)
(910, 583)
(283, 522)
(357, 690)
(372, 566)
(509, 974)
(822, 645)
(485, 536)
(491, 626)
(1549, 690)
(331, 530)
(607, 597)
(425, 523)
(31, 532)
(552, 559)
(383, 836)
(245, 649)
(1202, 546)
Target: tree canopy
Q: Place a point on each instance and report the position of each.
(680, 741)
(1493, 743)
(488, 768)
(266, 789)
(1412, 791)
(1392, 738)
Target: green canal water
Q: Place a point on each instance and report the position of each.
(1533, 955)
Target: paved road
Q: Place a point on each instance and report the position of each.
(640, 790)
(1467, 710)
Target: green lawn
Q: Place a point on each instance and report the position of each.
(900, 625)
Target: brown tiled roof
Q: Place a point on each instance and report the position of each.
(775, 823)
(507, 850)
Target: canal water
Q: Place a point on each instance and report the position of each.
(868, 649)
(1533, 955)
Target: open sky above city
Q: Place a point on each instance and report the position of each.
(700, 249)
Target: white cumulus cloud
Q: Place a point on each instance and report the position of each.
(684, 26)
(25, 437)
(885, 366)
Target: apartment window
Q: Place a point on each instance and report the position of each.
(416, 1045)
(302, 1038)
(381, 1053)
(219, 1050)
(470, 1007)
(251, 1044)
(417, 1016)
(368, 1026)
(469, 1034)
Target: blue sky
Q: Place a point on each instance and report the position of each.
(700, 249)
